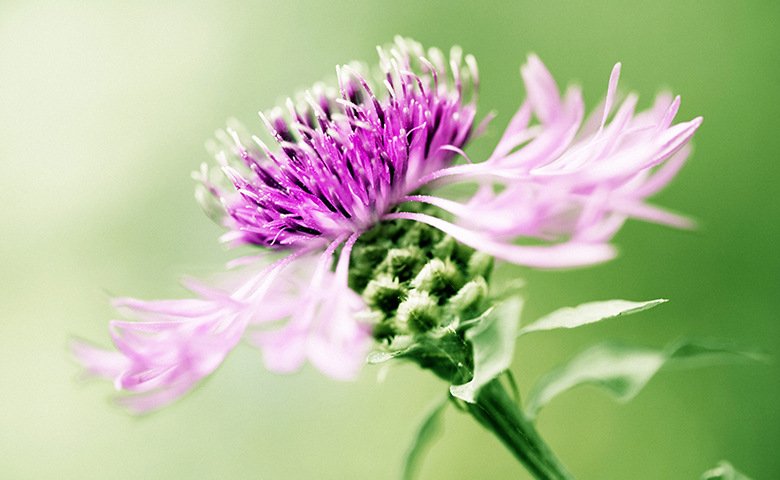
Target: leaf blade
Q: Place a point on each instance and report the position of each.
(623, 370)
(586, 313)
(724, 471)
(493, 341)
(429, 431)
(376, 357)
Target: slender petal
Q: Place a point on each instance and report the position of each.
(322, 328)
(563, 186)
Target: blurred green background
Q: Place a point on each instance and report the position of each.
(104, 110)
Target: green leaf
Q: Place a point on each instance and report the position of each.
(430, 430)
(623, 370)
(724, 471)
(376, 357)
(701, 352)
(586, 313)
(493, 341)
(500, 291)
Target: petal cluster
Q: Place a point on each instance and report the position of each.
(174, 344)
(568, 184)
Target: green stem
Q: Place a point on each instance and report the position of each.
(496, 411)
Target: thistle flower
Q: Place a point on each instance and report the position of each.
(568, 184)
(344, 161)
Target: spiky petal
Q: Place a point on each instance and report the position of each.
(568, 184)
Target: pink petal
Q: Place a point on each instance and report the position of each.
(284, 350)
(515, 132)
(563, 255)
(542, 90)
(99, 362)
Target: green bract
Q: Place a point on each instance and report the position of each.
(417, 280)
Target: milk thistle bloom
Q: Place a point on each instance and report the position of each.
(347, 160)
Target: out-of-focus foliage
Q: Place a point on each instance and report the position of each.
(724, 471)
(623, 370)
(429, 431)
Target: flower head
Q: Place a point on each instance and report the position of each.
(344, 161)
(347, 157)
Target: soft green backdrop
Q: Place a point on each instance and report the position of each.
(104, 109)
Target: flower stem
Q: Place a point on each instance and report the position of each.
(498, 412)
